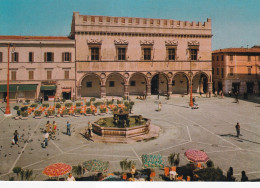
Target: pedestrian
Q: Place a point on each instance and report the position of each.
(70, 178)
(144, 95)
(237, 129)
(244, 177)
(16, 136)
(48, 126)
(54, 127)
(193, 100)
(68, 129)
(159, 106)
(158, 94)
(46, 138)
(230, 176)
(89, 129)
(41, 100)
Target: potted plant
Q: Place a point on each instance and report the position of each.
(27, 101)
(24, 115)
(34, 105)
(93, 99)
(50, 113)
(45, 105)
(126, 165)
(58, 105)
(78, 104)
(77, 112)
(68, 105)
(88, 112)
(65, 113)
(78, 170)
(37, 114)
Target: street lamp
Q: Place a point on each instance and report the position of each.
(190, 81)
(7, 109)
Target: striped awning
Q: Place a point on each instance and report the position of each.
(66, 90)
(12, 88)
(48, 87)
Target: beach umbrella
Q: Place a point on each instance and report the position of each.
(96, 165)
(196, 155)
(57, 169)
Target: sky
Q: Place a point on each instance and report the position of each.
(235, 23)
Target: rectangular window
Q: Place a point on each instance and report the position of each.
(231, 71)
(173, 83)
(213, 58)
(13, 75)
(147, 53)
(48, 57)
(231, 58)
(217, 71)
(194, 54)
(31, 75)
(1, 56)
(171, 54)
(249, 70)
(49, 75)
(89, 84)
(111, 84)
(31, 56)
(222, 58)
(217, 58)
(121, 53)
(94, 54)
(249, 58)
(66, 57)
(212, 70)
(15, 57)
(132, 83)
(67, 74)
(222, 72)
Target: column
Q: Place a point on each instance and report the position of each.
(126, 90)
(169, 89)
(148, 89)
(78, 92)
(103, 92)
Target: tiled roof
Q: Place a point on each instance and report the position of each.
(34, 38)
(238, 50)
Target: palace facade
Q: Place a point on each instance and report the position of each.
(236, 69)
(112, 56)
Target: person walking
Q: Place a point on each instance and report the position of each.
(68, 128)
(70, 178)
(244, 176)
(48, 126)
(237, 129)
(230, 176)
(89, 129)
(16, 136)
(159, 106)
(54, 127)
(46, 138)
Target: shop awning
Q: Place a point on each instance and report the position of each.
(48, 87)
(27, 87)
(66, 90)
(12, 88)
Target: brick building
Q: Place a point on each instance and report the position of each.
(236, 69)
(110, 56)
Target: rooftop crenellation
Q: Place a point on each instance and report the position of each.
(139, 22)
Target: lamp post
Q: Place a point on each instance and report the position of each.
(190, 77)
(7, 109)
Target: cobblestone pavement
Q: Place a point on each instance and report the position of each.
(210, 128)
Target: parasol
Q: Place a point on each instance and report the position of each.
(196, 155)
(96, 165)
(57, 169)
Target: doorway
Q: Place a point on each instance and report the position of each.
(155, 85)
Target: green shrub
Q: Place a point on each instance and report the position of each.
(24, 108)
(132, 103)
(50, 112)
(109, 102)
(58, 105)
(124, 97)
(28, 174)
(24, 114)
(126, 165)
(68, 104)
(89, 111)
(93, 99)
(18, 112)
(210, 174)
(126, 103)
(65, 112)
(103, 110)
(78, 170)
(45, 105)
(119, 102)
(78, 104)
(17, 170)
(34, 105)
(37, 112)
(27, 101)
(63, 100)
(88, 103)
(98, 103)
(210, 163)
(16, 107)
(77, 111)
(115, 109)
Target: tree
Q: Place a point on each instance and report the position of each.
(78, 170)
(17, 170)
(210, 174)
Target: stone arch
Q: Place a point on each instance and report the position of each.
(90, 85)
(137, 84)
(159, 81)
(180, 83)
(200, 82)
(115, 84)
